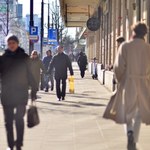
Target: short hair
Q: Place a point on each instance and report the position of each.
(120, 39)
(49, 51)
(140, 29)
(13, 38)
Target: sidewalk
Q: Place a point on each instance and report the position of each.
(77, 123)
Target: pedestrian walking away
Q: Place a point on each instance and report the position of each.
(16, 78)
(130, 104)
(36, 66)
(46, 77)
(120, 40)
(82, 62)
(60, 63)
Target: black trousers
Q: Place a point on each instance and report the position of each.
(61, 92)
(82, 71)
(16, 114)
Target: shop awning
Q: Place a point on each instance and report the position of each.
(75, 13)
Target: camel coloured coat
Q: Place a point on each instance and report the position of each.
(132, 71)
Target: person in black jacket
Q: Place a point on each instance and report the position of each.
(16, 78)
(61, 63)
(82, 62)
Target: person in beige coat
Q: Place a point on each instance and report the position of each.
(130, 103)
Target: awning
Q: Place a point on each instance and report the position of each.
(76, 12)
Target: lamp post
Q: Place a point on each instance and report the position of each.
(48, 25)
(7, 25)
(31, 44)
(42, 28)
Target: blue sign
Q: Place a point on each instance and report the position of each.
(52, 35)
(33, 31)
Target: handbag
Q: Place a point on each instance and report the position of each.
(32, 116)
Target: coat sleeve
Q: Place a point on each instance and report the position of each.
(42, 67)
(31, 79)
(69, 65)
(120, 63)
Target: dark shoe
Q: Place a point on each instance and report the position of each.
(63, 99)
(52, 88)
(18, 148)
(46, 90)
(131, 143)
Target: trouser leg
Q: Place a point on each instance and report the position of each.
(63, 88)
(19, 120)
(137, 126)
(46, 82)
(52, 81)
(42, 82)
(9, 118)
(58, 90)
(134, 124)
(82, 72)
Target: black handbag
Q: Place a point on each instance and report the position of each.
(32, 117)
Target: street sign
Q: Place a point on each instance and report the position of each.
(93, 24)
(33, 31)
(52, 35)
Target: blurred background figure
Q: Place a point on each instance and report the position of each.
(16, 77)
(36, 66)
(82, 62)
(120, 40)
(95, 74)
(46, 78)
(61, 63)
(72, 57)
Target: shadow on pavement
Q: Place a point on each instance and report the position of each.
(88, 97)
(58, 104)
(86, 104)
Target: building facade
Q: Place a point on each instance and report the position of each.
(11, 23)
(117, 17)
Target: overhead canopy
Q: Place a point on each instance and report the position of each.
(76, 12)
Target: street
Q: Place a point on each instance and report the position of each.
(77, 123)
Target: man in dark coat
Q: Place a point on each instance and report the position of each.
(82, 62)
(61, 63)
(16, 77)
(46, 62)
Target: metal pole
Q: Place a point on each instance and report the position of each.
(58, 26)
(52, 21)
(48, 25)
(42, 28)
(7, 3)
(31, 44)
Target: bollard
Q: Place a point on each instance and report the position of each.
(71, 84)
